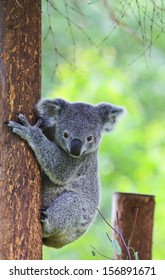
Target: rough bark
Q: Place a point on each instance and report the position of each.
(135, 220)
(20, 31)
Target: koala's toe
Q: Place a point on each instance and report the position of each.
(39, 122)
(23, 119)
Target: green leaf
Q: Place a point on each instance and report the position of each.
(116, 247)
(136, 255)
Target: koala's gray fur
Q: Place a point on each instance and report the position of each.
(65, 141)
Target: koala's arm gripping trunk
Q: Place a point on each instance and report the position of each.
(53, 160)
(20, 31)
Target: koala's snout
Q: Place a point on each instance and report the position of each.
(76, 146)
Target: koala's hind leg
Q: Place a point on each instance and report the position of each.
(64, 213)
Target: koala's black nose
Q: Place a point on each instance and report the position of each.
(76, 145)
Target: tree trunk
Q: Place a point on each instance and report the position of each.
(20, 79)
(135, 222)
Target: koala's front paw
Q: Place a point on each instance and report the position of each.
(23, 129)
(20, 129)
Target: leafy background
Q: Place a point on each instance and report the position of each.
(113, 51)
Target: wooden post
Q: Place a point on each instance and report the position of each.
(20, 79)
(135, 222)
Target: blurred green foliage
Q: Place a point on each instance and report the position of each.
(131, 159)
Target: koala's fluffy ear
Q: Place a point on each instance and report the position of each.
(109, 115)
(49, 109)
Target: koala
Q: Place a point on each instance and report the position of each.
(65, 141)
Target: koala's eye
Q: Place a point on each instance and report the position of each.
(65, 135)
(90, 138)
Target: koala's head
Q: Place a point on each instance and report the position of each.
(77, 127)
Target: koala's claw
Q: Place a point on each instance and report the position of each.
(44, 208)
(44, 214)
